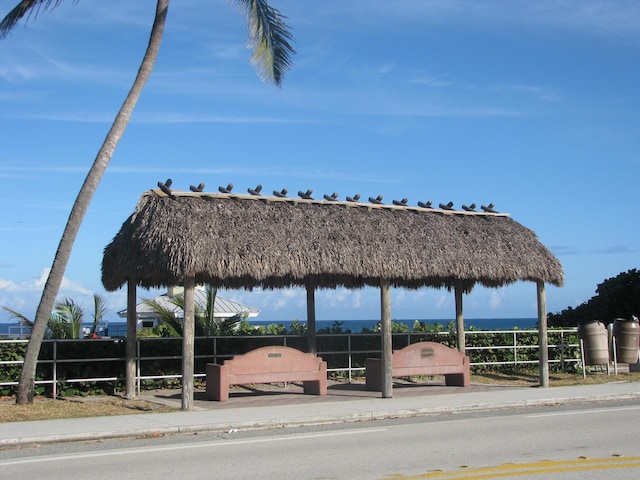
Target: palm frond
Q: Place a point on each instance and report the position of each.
(205, 321)
(177, 300)
(24, 321)
(58, 328)
(167, 315)
(99, 310)
(269, 38)
(228, 325)
(71, 313)
(209, 307)
(172, 328)
(28, 8)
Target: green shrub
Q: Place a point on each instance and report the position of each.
(78, 359)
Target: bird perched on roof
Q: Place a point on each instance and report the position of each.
(488, 208)
(305, 195)
(165, 187)
(331, 198)
(255, 191)
(226, 189)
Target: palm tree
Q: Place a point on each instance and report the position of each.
(206, 324)
(22, 319)
(99, 311)
(269, 37)
(170, 324)
(66, 320)
(206, 318)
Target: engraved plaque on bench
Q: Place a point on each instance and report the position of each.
(274, 355)
(426, 352)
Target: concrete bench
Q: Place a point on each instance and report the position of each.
(267, 365)
(423, 358)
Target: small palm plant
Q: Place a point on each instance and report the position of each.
(206, 323)
(99, 311)
(22, 320)
(66, 320)
(170, 324)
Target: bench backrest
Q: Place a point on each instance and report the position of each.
(273, 360)
(427, 354)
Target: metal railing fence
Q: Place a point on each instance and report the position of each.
(65, 362)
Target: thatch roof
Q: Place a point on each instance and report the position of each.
(246, 241)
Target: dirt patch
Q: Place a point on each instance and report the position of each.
(47, 408)
(95, 406)
(555, 379)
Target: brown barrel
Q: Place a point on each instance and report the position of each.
(596, 343)
(627, 337)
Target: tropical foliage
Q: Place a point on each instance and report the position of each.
(66, 320)
(617, 297)
(206, 323)
(489, 351)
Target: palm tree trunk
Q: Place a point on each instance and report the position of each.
(26, 386)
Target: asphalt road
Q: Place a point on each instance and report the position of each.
(591, 441)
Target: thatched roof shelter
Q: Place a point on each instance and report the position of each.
(246, 241)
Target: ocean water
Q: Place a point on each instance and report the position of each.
(118, 329)
(357, 326)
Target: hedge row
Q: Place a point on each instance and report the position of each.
(102, 358)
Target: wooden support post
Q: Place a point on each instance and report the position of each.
(188, 335)
(311, 320)
(387, 348)
(459, 318)
(131, 340)
(543, 343)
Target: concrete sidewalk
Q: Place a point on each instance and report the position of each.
(294, 409)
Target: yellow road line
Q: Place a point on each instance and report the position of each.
(522, 469)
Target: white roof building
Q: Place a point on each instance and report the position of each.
(223, 307)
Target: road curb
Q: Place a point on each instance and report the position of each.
(302, 421)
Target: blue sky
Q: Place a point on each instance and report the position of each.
(530, 105)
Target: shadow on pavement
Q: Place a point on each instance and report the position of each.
(248, 396)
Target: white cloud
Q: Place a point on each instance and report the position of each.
(267, 300)
(399, 297)
(543, 93)
(68, 287)
(336, 298)
(434, 81)
(443, 300)
(340, 299)
(280, 304)
(496, 298)
(290, 293)
(356, 299)
(24, 296)
(9, 285)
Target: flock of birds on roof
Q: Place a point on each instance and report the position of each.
(166, 188)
